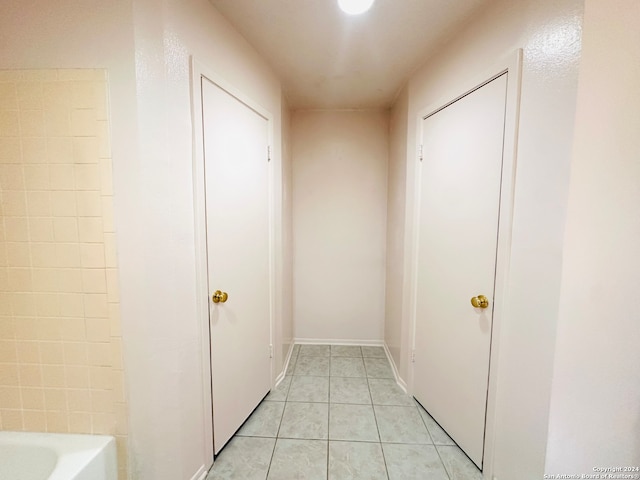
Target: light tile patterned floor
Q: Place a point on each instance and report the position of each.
(339, 415)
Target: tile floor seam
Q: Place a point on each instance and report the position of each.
(329, 413)
(446, 470)
(384, 459)
(271, 459)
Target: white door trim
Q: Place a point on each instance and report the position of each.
(512, 65)
(198, 71)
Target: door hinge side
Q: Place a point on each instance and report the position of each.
(420, 148)
(270, 351)
(268, 153)
(413, 356)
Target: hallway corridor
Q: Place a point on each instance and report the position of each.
(339, 415)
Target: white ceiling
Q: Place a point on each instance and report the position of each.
(327, 59)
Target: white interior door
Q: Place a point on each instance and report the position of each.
(460, 183)
(237, 214)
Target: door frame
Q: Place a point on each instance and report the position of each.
(198, 71)
(511, 64)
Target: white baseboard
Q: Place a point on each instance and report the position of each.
(401, 383)
(334, 341)
(285, 366)
(201, 474)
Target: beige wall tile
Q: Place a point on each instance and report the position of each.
(95, 307)
(74, 329)
(98, 329)
(55, 399)
(91, 229)
(71, 305)
(61, 351)
(31, 375)
(62, 177)
(85, 150)
(75, 353)
(38, 75)
(77, 376)
(100, 354)
(57, 122)
(28, 352)
(36, 177)
(92, 255)
(18, 254)
(23, 304)
(34, 150)
(31, 123)
(89, 204)
(10, 151)
(43, 255)
(58, 422)
(51, 353)
(60, 150)
(49, 329)
(38, 204)
(11, 419)
(70, 280)
(8, 351)
(30, 95)
(83, 94)
(87, 176)
(14, 203)
(79, 400)
(94, 280)
(32, 398)
(9, 374)
(19, 279)
(34, 420)
(11, 176)
(63, 204)
(104, 144)
(41, 229)
(65, 229)
(56, 95)
(9, 123)
(53, 376)
(101, 378)
(83, 123)
(68, 255)
(80, 422)
(11, 397)
(8, 96)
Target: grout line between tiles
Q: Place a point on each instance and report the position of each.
(375, 418)
(328, 413)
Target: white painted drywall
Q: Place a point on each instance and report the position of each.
(339, 224)
(595, 402)
(163, 335)
(286, 320)
(549, 33)
(145, 46)
(396, 190)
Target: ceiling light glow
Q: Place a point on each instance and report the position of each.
(355, 7)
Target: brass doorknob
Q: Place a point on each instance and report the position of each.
(219, 297)
(480, 301)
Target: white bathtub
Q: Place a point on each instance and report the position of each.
(54, 456)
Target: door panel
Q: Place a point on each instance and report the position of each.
(458, 226)
(237, 214)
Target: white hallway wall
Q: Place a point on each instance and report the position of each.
(339, 224)
(548, 31)
(163, 333)
(145, 46)
(595, 402)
